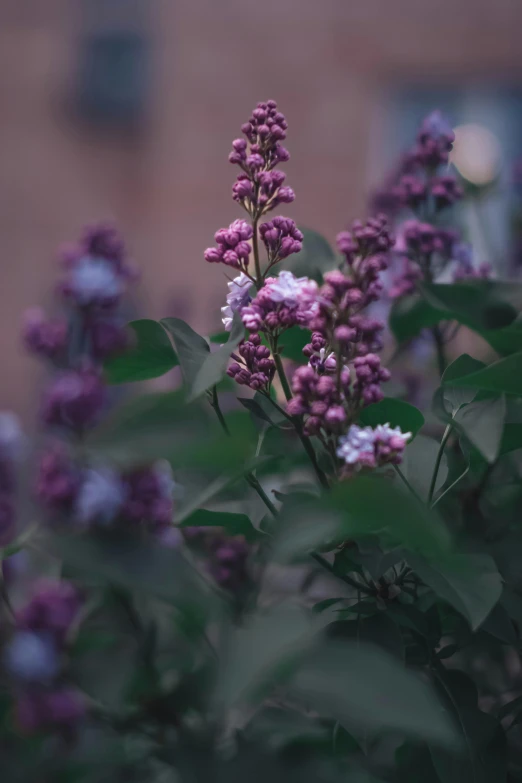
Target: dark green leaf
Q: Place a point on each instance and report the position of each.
(192, 349)
(504, 376)
(471, 583)
(145, 568)
(363, 506)
(316, 257)
(480, 305)
(215, 364)
(481, 758)
(397, 413)
(149, 356)
(512, 438)
(499, 625)
(257, 651)
(233, 524)
(292, 343)
(513, 706)
(454, 397)
(259, 405)
(505, 341)
(482, 422)
(419, 464)
(379, 630)
(360, 685)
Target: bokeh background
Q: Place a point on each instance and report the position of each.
(125, 109)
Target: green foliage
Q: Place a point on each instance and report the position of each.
(483, 306)
(396, 413)
(150, 355)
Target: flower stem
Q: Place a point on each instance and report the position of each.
(406, 482)
(255, 248)
(296, 420)
(438, 339)
(447, 433)
(249, 477)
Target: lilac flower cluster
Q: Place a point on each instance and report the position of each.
(226, 556)
(96, 276)
(11, 451)
(228, 564)
(464, 267)
(260, 187)
(252, 365)
(329, 404)
(372, 447)
(232, 248)
(282, 302)
(35, 659)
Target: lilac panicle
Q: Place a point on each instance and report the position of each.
(96, 276)
(259, 188)
(252, 365)
(282, 302)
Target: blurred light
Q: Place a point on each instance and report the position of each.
(476, 153)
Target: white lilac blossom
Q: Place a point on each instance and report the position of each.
(12, 439)
(32, 657)
(357, 446)
(291, 291)
(283, 301)
(100, 497)
(372, 447)
(94, 281)
(237, 298)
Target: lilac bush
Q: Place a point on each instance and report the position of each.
(278, 566)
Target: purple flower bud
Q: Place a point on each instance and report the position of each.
(43, 337)
(57, 480)
(75, 399)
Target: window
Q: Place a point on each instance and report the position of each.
(113, 69)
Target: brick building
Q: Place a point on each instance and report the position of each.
(150, 148)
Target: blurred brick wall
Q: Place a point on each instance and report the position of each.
(327, 63)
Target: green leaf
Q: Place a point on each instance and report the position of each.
(143, 567)
(471, 583)
(292, 343)
(149, 356)
(233, 524)
(481, 758)
(259, 405)
(419, 464)
(498, 624)
(361, 686)
(397, 413)
(379, 629)
(453, 397)
(482, 422)
(363, 506)
(316, 257)
(161, 426)
(480, 305)
(512, 438)
(214, 366)
(505, 341)
(192, 349)
(255, 653)
(504, 376)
